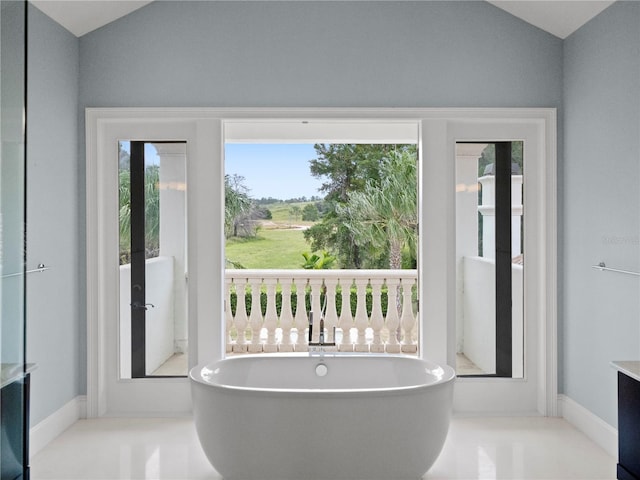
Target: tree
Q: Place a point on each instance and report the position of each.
(238, 207)
(151, 210)
(488, 156)
(331, 233)
(124, 216)
(264, 212)
(310, 213)
(295, 212)
(347, 168)
(384, 215)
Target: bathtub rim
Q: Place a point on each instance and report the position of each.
(448, 376)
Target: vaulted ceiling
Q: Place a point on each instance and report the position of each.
(558, 17)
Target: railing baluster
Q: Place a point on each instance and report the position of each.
(228, 315)
(377, 321)
(392, 320)
(241, 318)
(255, 319)
(301, 314)
(286, 316)
(408, 320)
(361, 320)
(271, 316)
(394, 331)
(346, 318)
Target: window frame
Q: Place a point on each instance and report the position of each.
(203, 129)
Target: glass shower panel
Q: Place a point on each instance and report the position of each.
(12, 181)
(14, 445)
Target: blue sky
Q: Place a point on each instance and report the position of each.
(270, 170)
(150, 153)
(273, 170)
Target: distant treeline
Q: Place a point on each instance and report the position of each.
(270, 200)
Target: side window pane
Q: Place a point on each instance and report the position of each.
(152, 257)
(489, 259)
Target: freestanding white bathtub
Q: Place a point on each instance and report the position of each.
(301, 417)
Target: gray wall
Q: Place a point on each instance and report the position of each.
(600, 315)
(349, 54)
(320, 54)
(53, 297)
(365, 54)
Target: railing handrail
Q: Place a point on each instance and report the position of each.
(315, 274)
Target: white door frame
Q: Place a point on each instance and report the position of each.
(504, 395)
(107, 394)
(203, 129)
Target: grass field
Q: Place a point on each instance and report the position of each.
(281, 215)
(272, 248)
(277, 245)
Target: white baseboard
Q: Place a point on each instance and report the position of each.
(45, 431)
(590, 424)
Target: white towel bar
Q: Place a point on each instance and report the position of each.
(602, 267)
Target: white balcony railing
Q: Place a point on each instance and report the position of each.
(352, 302)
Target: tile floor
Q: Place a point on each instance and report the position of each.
(464, 366)
(477, 448)
(175, 365)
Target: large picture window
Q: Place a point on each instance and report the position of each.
(530, 386)
(321, 247)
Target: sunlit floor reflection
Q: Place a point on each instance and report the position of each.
(520, 448)
(477, 448)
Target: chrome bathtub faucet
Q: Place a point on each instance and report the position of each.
(321, 343)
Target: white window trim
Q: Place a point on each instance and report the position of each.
(205, 127)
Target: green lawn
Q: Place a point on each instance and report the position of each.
(272, 248)
(281, 216)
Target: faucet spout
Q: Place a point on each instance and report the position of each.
(322, 341)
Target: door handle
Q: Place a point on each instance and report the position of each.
(138, 305)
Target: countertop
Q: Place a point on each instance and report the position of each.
(14, 371)
(629, 368)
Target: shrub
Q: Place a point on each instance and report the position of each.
(294, 301)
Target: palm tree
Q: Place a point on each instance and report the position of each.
(385, 214)
(151, 212)
(237, 204)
